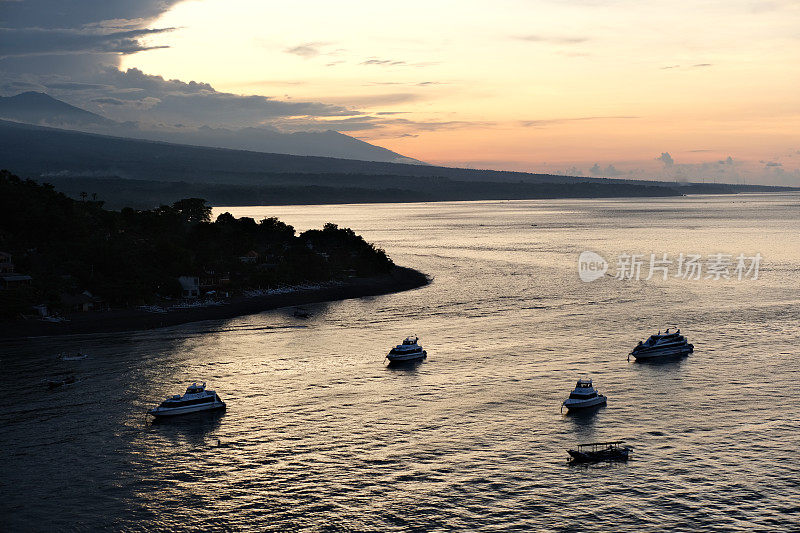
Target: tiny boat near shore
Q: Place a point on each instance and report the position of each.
(409, 351)
(301, 313)
(197, 398)
(583, 397)
(56, 383)
(76, 356)
(595, 452)
(666, 345)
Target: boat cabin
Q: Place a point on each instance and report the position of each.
(410, 341)
(583, 390)
(194, 388)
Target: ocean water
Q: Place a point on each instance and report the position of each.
(321, 435)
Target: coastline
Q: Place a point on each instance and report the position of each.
(119, 320)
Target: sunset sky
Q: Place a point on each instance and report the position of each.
(510, 84)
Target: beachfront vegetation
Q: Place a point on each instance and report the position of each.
(132, 257)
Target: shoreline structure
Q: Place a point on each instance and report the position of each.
(119, 320)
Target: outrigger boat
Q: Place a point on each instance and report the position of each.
(594, 452)
(659, 345)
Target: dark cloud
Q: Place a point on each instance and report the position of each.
(394, 127)
(132, 95)
(306, 50)
(218, 108)
(20, 42)
(108, 101)
(71, 49)
(609, 172)
(16, 86)
(133, 78)
(79, 13)
(74, 86)
(365, 100)
(666, 159)
(549, 122)
(383, 62)
(433, 125)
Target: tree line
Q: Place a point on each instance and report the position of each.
(132, 257)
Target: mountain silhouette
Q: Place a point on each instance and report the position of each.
(126, 172)
(39, 108)
(43, 110)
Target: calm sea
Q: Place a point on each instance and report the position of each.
(321, 435)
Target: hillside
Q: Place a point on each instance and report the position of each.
(145, 174)
(43, 110)
(38, 108)
(36, 150)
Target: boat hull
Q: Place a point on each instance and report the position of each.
(405, 357)
(177, 411)
(577, 405)
(617, 454)
(664, 352)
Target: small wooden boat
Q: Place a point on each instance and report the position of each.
(594, 452)
(55, 383)
(77, 356)
(301, 313)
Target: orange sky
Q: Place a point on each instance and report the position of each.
(517, 84)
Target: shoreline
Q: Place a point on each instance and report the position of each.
(120, 320)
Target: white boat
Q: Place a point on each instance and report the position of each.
(410, 350)
(662, 345)
(197, 398)
(583, 396)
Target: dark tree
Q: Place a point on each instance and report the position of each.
(193, 210)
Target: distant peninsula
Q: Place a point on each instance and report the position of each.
(71, 266)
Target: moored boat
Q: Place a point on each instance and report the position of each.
(77, 356)
(594, 452)
(56, 383)
(301, 313)
(584, 396)
(409, 351)
(662, 345)
(197, 398)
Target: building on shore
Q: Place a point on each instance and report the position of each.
(190, 286)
